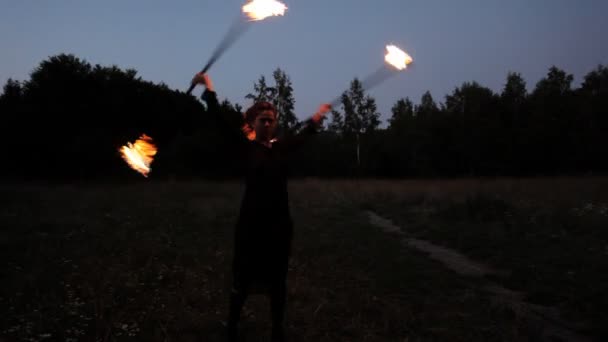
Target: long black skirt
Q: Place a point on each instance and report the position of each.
(261, 256)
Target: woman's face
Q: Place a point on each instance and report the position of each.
(264, 125)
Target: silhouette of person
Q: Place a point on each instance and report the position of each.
(264, 229)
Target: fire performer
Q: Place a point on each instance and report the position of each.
(264, 229)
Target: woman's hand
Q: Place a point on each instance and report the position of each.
(203, 79)
(320, 114)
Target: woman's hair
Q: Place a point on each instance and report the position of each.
(256, 109)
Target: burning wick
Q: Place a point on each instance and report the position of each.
(262, 9)
(397, 57)
(139, 155)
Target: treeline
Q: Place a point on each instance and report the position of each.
(70, 118)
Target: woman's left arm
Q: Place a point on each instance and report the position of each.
(300, 133)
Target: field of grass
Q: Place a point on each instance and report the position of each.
(151, 261)
(550, 235)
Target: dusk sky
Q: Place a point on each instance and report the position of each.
(321, 44)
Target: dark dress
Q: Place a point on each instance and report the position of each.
(264, 229)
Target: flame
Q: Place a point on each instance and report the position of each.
(139, 155)
(397, 57)
(261, 9)
(248, 131)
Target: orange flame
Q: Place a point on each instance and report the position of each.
(248, 131)
(139, 155)
(262, 9)
(397, 57)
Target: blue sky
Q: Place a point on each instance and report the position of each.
(321, 44)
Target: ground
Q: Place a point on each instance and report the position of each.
(150, 261)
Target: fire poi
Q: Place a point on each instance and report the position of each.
(256, 10)
(394, 57)
(139, 155)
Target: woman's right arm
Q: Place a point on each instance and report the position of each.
(230, 124)
(209, 95)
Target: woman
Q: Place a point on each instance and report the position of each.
(264, 229)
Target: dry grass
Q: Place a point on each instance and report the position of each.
(151, 261)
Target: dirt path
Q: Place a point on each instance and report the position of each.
(546, 318)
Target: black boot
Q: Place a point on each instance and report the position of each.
(237, 300)
(277, 306)
(231, 334)
(278, 334)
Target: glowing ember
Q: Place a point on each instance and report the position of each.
(397, 57)
(261, 9)
(139, 155)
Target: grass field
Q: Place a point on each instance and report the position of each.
(150, 261)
